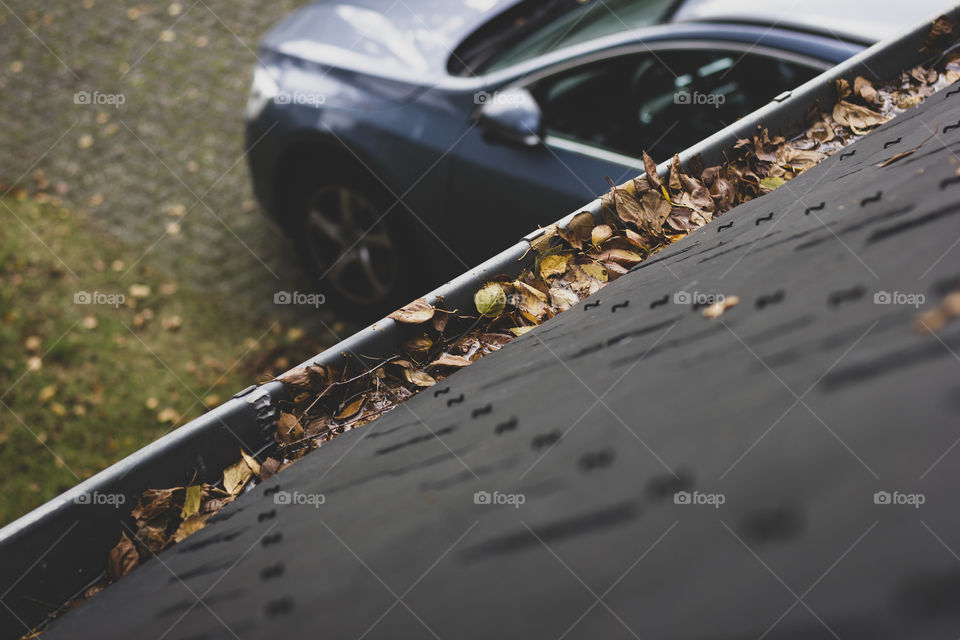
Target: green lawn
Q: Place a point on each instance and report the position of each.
(83, 385)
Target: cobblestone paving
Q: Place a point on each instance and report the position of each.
(134, 112)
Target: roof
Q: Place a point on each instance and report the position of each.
(631, 461)
(859, 21)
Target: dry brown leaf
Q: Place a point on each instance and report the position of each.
(352, 408)
(123, 558)
(653, 179)
(578, 229)
(251, 462)
(601, 233)
(419, 378)
(269, 468)
(449, 360)
(857, 117)
(620, 256)
(416, 312)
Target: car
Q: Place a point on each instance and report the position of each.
(400, 143)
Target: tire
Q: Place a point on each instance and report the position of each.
(355, 240)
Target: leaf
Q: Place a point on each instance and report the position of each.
(519, 331)
(191, 502)
(719, 307)
(903, 154)
(251, 462)
(553, 265)
(416, 312)
(352, 408)
(578, 229)
(600, 234)
(449, 360)
(123, 558)
(856, 116)
(236, 476)
(772, 182)
(674, 175)
(420, 346)
(542, 242)
(419, 378)
(532, 303)
(490, 300)
(648, 212)
(440, 321)
(269, 468)
(864, 88)
(621, 256)
(563, 298)
(190, 526)
(843, 88)
(595, 271)
(311, 377)
(288, 428)
(651, 171)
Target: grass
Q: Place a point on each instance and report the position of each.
(83, 385)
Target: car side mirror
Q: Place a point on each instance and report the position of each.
(511, 116)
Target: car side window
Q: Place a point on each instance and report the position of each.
(662, 102)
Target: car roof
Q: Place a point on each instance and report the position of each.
(857, 21)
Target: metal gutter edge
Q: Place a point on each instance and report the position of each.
(58, 548)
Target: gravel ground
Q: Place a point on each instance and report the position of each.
(154, 156)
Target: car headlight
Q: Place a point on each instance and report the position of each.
(263, 89)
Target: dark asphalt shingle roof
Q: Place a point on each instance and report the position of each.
(797, 406)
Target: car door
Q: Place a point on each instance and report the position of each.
(599, 116)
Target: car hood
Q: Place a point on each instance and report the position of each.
(412, 38)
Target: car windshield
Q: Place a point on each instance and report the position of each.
(586, 20)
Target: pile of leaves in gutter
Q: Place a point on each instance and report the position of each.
(638, 218)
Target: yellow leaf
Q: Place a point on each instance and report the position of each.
(190, 526)
(191, 502)
(554, 265)
(235, 477)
